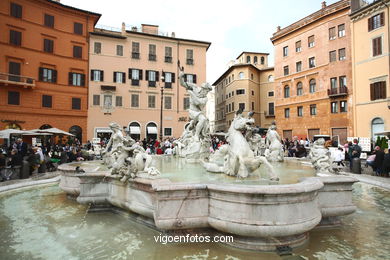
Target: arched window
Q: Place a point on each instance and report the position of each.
(241, 75)
(151, 131)
(248, 59)
(312, 84)
(286, 91)
(270, 78)
(77, 131)
(299, 89)
(255, 60)
(251, 76)
(262, 60)
(377, 126)
(46, 126)
(135, 130)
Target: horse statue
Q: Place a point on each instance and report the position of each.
(237, 158)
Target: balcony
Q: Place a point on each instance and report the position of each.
(16, 80)
(168, 59)
(269, 114)
(337, 92)
(152, 57)
(135, 55)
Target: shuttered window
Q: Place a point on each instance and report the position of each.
(378, 90)
(16, 10)
(77, 52)
(49, 20)
(78, 28)
(376, 21)
(377, 46)
(76, 103)
(15, 37)
(47, 101)
(48, 45)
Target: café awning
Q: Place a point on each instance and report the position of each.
(152, 130)
(135, 130)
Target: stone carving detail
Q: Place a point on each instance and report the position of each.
(237, 158)
(274, 151)
(320, 156)
(126, 157)
(195, 141)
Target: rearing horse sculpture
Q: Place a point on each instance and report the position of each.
(238, 157)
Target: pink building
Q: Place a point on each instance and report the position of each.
(128, 71)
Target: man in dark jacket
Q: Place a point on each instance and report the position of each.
(378, 162)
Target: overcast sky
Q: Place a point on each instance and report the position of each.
(230, 26)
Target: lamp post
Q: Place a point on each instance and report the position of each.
(161, 107)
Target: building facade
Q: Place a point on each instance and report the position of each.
(130, 70)
(313, 74)
(371, 67)
(44, 65)
(248, 84)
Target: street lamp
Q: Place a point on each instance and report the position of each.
(161, 107)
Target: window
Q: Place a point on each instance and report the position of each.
(14, 70)
(96, 100)
(343, 81)
(49, 20)
(77, 52)
(151, 101)
(119, 77)
(97, 75)
(136, 76)
(271, 94)
(311, 42)
(285, 70)
(152, 76)
(313, 110)
(13, 98)
(78, 28)
(47, 75)
(118, 101)
(76, 103)
(134, 100)
(253, 93)
(378, 90)
(186, 103)
(253, 106)
(230, 107)
(262, 60)
(168, 78)
(342, 54)
(248, 59)
(271, 108)
(168, 54)
(333, 82)
(286, 91)
(270, 78)
(241, 106)
(152, 52)
(107, 102)
(97, 47)
(300, 111)
(251, 76)
(332, 33)
(298, 47)
(241, 75)
(167, 102)
(135, 50)
(190, 78)
(255, 60)
(15, 38)
(343, 106)
(286, 112)
(285, 51)
(377, 46)
(46, 101)
(376, 21)
(312, 62)
(190, 57)
(233, 106)
(334, 107)
(332, 56)
(299, 89)
(240, 91)
(341, 30)
(48, 45)
(119, 50)
(76, 79)
(168, 131)
(312, 86)
(16, 10)
(298, 66)
(232, 77)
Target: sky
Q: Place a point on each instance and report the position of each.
(231, 26)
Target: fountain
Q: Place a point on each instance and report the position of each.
(261, 216)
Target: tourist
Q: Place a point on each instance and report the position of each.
(339, 156)
(168, 151)
(370, 160)
(386, 163)
(354, 152)
(378, 162)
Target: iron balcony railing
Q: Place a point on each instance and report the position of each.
(341, 91)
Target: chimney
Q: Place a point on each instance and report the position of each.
(123, 31)
(150, 29)
(173, 35)
(323, 5)
(278, 28)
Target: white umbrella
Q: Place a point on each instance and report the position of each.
(383, 133)
(53, 131)
(7, 132)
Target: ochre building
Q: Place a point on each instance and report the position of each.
(313, 78)
(44, 65)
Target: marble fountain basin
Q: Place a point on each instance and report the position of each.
(259, 216)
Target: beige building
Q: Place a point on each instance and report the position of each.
(129, 70)
(248, 84)
(313, 74)
(371, 67)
